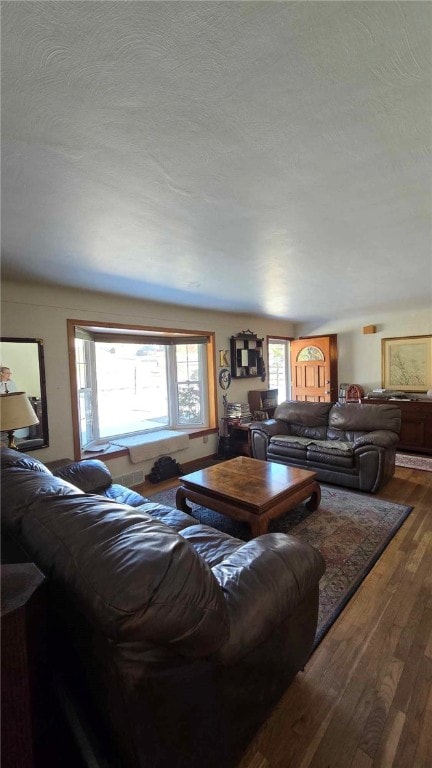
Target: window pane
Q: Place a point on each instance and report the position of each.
(189, 384)
(85, 403)
(131, 387)
(85, 416)
(310, 353)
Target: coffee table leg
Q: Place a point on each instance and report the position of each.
(258, 525)
(181, 500)
(315, 498)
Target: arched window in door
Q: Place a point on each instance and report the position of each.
(309, 353)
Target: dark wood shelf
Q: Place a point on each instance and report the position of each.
(246, 356)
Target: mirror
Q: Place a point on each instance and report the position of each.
(25, 360)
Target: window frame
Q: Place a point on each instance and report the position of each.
(151, 334)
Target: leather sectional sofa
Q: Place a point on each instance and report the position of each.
(172, 638)
(348, 444)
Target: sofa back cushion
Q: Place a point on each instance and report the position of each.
(350, 420)
(24, 480)
(9, 457)
(305, 419)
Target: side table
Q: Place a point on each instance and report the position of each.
(23, 615)
(234, 440)
(57, 464)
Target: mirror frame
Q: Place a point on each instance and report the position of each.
(24, 386)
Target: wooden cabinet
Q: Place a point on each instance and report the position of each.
(246, 356)
(416, 429)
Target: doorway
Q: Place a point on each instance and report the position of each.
(314, 369)
(279, 366)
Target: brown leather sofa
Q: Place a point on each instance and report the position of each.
(171, 639)
(348, 444)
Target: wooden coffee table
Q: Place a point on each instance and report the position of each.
(250, 490)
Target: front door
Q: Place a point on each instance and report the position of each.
(314, 369)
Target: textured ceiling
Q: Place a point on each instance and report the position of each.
(262, 157)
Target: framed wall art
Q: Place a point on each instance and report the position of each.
(407, 363)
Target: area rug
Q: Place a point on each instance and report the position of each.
(351, 531)
(414, 462)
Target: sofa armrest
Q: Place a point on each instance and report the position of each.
(262, 431)
(89, 475)
(270, 427)
(380, 437)
(264, 581)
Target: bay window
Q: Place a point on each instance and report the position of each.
(138, 380)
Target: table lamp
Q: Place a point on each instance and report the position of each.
(16, 412)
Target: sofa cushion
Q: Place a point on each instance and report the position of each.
(288, 445)
(93, 476)
(340, 435)
(212, 545)
(124, 495)
(34, 485)
(332, 447)
(305, 419)
(175, 518)
(9, 457)
(333, 453)
(364, 417)
(290, 441)
(90, 475)
(304, 414)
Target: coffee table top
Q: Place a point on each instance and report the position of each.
(250, 481)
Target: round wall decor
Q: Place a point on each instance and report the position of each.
(224, 378)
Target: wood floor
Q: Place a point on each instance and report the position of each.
(365, 697)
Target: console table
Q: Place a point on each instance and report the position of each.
(416, 429)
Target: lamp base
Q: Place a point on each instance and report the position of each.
(11, 440)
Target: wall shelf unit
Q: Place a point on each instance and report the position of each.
(246, 355)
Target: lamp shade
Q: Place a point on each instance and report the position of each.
(16, 412)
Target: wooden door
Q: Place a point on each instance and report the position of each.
(314, 369)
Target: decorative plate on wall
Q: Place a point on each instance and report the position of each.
(224, 378)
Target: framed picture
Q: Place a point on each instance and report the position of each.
(407, 363)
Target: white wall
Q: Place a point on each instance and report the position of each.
(359, 354)
(39, 311)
